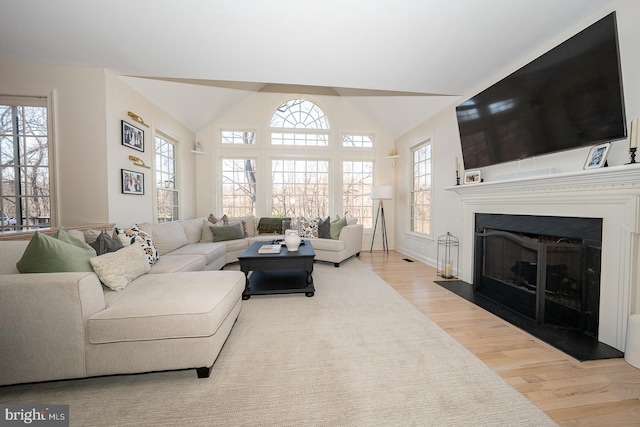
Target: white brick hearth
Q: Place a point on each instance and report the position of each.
(611, 193)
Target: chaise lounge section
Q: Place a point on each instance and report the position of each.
(68, 325)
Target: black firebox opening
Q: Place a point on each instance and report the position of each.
(546, 269)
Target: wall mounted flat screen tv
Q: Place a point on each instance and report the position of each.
(569, 97)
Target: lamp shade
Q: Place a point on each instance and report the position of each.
(381, 192)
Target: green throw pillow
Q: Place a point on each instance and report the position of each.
(46, 254)
(336, 227)
(67, 237)
(227, 232)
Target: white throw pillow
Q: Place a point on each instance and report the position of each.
(117, 269)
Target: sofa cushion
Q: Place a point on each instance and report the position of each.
(168, 236)
(105, 244)
(336, 227)
(237, 245)
(136, 234)
(46, 254)
(117, 269)
(172, 263)
(212, 251)
(227, 232)
(249, 224)
(167, 306)
(330, 245)
(193, 229)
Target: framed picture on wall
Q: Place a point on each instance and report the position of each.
(132, 182)
(597, 157)
(132, 136)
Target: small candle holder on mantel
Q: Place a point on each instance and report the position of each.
(632, 155)
(633, 141)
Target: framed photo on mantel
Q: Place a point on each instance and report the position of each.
(472, 177)
(597, 157)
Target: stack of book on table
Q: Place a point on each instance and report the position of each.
(269, 249)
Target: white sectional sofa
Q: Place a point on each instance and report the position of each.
(176, 316)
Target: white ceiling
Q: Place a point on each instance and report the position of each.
(196, 59)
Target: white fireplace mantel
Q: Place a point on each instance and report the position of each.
(610, 178)
(611, 193)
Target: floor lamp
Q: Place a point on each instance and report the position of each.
(381, 193)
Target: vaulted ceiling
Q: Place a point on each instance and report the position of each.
(398, 62)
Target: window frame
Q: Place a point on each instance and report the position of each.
(424, 142)
(46, 100)
(300, 131)
(288, 209)
(366, 193)
(222, 183)
(176, 205)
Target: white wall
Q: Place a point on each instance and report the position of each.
(79, 134)
(88, 105)
(442, 130)
(126, 209)
(254, 114)
(446, 140)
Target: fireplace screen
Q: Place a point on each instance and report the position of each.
(552, 280)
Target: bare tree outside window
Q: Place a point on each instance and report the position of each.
(239, 187)
(357, 180)
(421, 190)
(239, 179)
(25, 197)
(167, 195)
(300, 188)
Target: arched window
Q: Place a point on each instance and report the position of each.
(299, 122)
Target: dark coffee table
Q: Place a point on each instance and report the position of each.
(282, 273)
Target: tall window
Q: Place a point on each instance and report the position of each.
(167, 196)
(357, 179)
(239, 187)
(25, 196)
(421, 189)
(300, 188)
(299, 122)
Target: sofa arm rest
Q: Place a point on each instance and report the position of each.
(352, 236)
(43, 318)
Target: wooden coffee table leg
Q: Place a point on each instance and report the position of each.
(247, 292)
(309, 284)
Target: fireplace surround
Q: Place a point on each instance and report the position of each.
(610, 194)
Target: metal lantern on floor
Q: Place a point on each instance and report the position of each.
(448, 256)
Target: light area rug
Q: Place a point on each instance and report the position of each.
(355, 354)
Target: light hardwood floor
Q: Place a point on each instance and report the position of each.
(594, 393)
